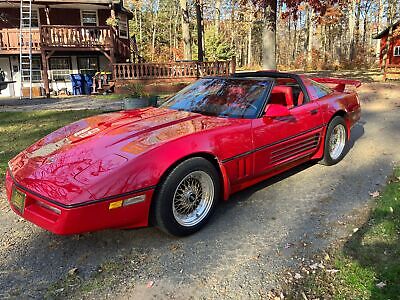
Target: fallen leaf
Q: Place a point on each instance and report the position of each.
(381, 285)
(374, 194)
(73, 271)
(288, 245)
(150, 284)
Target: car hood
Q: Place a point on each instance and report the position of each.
(68, 165)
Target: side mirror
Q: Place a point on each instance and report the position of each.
(276, 110)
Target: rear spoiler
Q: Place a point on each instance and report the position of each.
(340, 83)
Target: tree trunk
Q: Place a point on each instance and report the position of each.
(217, 15)
(357, 26)
(295, 40)
(287, 52)
(324, 34)
(268, 48)
(186, 35)
(249, 42)
(379, 29)
(310, 33)
(233, 28)
(386, 57)
(170, 37)
(140, 32)
(351, 29)
(199, 18)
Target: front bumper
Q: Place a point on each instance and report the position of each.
(84, 218)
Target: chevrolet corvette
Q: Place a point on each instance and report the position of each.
(169, 166)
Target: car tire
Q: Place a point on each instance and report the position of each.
(336, 141)
(186, 198)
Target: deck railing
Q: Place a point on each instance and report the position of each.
(177, 70)
(10, 41)
(76, 36)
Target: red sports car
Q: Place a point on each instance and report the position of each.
(169, 166)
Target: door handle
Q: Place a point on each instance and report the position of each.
(314, 111)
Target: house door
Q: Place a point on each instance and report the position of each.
(5, 67)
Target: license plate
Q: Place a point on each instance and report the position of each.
(18, 200)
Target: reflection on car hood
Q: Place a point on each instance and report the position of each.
(66, 164)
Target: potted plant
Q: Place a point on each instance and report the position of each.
(112, 21)
(138, 97)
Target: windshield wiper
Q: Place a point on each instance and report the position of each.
(202, 112)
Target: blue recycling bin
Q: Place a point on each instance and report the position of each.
(87, 84)
(77, 84)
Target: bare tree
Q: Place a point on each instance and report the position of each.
(186, 34)
(269, 35)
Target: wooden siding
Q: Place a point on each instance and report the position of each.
(393, 60)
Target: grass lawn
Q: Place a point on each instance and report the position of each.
(19, 130)
(368, 266)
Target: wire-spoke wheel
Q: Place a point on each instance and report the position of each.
(187, 197)
(193, 198)
(336, 141)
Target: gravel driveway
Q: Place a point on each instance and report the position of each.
(242, 252)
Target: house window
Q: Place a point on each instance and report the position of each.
(123, 26)
(88, 65)
(396, 51)
(89, 18)
(36, 70)
(60, 68)
(34, 19)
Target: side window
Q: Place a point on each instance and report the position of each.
(317, 90)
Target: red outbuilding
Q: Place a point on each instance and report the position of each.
(393, 54)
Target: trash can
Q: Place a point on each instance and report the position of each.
(87, 84)
(77, 84)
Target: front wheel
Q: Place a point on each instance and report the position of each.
(187, 197)
(336, 141)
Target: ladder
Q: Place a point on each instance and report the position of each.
(25, 44)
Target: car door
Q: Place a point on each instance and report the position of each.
(283, 141)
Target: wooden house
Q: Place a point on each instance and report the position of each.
(393, 53)
(68, 37)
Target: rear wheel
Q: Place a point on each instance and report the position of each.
(187, 197)
(336, 141)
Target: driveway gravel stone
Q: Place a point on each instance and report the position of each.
(253, 238)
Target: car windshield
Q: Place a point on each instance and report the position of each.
(222, 97)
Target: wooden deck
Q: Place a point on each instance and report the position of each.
(65, 38)
(10, 41)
